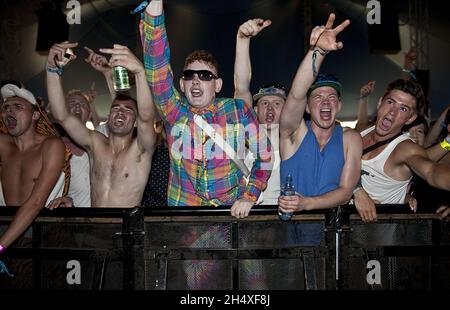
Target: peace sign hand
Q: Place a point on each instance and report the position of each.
(324, 37)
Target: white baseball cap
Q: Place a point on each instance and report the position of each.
(12, 90)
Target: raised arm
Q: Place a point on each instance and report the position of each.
(408, 63)
(363, 111)
(122, 56)
(52, 166)
(322, 41)
(74, 127)
(435, 130)
(100, 64)
(94, 118)
(415, 157)
(242, 63)
(437, 152)
(157, 62)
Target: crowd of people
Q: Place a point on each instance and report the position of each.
(189, 147)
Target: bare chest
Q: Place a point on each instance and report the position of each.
(117, 168)
(19, 173)
(22, 164)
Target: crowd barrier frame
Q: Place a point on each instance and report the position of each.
(144, 259)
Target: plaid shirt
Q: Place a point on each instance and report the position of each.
(200, 172)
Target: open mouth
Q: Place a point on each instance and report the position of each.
(195, 92)
(386, 123)
(119, 122)
(270, 117)
(77, 114)
(11, 122)
(325, 113)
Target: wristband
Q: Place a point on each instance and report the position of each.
(445, 144)
(321, 51)
(314, 58)
(57, 70)
(2, 248)
(411, 74)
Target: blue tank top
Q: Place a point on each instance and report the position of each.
(315, 172)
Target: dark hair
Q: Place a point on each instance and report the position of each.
(203, 56)
(418, 121)
(124, 97)
(409, 87)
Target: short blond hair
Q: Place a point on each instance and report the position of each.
(74, 92)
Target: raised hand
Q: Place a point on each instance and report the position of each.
(92, 92)
(154, 8)
(367, 89)
(61, 54)
(410, 57)
(324, 37)
(122, 56)
(252, 27)
(97, 61)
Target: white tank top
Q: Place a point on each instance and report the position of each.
(80, 186)
(378, 184)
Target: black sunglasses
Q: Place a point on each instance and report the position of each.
(204, 75)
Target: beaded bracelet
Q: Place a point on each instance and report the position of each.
(57, 70)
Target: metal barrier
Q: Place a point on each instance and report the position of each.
(207, 249)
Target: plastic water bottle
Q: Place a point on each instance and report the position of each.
(287, 189)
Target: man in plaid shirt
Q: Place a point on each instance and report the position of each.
(202, 171)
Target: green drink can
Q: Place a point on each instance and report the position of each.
(121, 79)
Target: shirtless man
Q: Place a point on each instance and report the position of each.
(119, 164)
(31, 162)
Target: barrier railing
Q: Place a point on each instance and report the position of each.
(206, 248)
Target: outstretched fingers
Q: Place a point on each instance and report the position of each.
(330, 21)
(91, 53)
(111, 51)
(342, 26)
